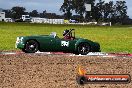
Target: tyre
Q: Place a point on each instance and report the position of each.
(81, 80)
(24, 50)
(31, 46)
(83, 49)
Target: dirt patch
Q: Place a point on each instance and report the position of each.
(58, 71)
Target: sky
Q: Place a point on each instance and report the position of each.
(52, 6)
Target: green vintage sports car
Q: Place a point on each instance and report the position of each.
(52, 43)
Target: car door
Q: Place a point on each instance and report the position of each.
(64, 45)
(68, 45)
(61, 45)
(55, 44)
(45, 43)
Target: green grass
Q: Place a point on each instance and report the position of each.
(111, 39)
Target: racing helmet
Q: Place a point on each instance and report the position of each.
(65, 32)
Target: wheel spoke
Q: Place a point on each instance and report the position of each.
(84, 49)
(31, 46)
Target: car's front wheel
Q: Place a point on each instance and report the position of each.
(83, 49)
(31, 46)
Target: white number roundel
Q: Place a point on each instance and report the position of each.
(65, 43)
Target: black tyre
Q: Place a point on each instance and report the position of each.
(24, 50)
(31, 46)
(83, 49)
(81, 80)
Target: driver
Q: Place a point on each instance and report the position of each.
(67, 35)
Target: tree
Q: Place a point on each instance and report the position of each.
(67, 8)
(8, 13)
(34, 13)
(110, 10)
(99, 10)
(43, 14)
(79, 6)
(17, 12)
(121, 11)
(116, 13)
(105, 10)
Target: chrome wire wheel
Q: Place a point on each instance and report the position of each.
(83, 49)
(31, 46)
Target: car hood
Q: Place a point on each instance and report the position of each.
(35, 36)
(96, 43)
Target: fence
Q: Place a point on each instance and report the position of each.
(50, 21)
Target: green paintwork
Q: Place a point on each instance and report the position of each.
(48, 43)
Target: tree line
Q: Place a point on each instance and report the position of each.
(16, 12)
(115, 12)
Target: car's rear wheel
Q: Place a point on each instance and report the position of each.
(31, 46)
(83, 49)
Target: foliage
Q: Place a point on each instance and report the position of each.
(8, 13)
(66, 8)
(17, 12)
(34, 13)
(116, 13)
(100, 11)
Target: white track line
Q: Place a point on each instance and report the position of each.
(38, 52)
(93, 54)
(100, 54)
(8, 53)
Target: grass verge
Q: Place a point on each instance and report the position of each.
(111, 39)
